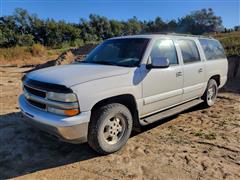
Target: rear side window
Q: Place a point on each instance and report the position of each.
(189, 51)
(166, 49)
(212, 49)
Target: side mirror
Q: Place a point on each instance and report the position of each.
(158, 62)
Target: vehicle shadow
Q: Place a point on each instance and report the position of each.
(24, 149)
(165, 120)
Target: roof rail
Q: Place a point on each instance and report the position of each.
(179, 34)
(189, 35)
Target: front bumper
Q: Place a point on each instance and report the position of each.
(70, 129)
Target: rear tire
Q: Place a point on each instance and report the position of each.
(110, 128)
(210, 93)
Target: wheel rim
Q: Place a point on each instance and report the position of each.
(211, 94)
(114, 129)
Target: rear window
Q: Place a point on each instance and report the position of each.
(212, 49)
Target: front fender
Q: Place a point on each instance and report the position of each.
(92, 92)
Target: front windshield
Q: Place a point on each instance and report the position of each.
(121, 52)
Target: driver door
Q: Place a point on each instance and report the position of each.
(162, 87)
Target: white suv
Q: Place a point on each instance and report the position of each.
(123, 84)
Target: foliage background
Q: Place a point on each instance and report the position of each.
(25, 29)
(27, 37)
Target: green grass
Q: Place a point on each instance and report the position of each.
(205, 135)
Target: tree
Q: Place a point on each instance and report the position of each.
(38, 29)
(87, 32)
(25, 29)
(236, 28)
(199, 22)
(9, 31)
(116, 28)
(132, 26)
(172, 26)
(158, 25)
(2, 38)
(22, 21)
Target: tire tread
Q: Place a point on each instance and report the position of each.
(94, 125)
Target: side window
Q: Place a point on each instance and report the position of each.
(165, 48)
(189, 51)
(212, 49)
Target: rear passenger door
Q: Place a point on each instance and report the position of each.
(193, 69)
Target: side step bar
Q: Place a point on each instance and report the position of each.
(169, 112)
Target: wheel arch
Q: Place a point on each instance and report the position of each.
(216, 78)
(127, 100)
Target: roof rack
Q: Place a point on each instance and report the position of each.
(180, 34)
(189, 35)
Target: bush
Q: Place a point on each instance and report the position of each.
(25, 40)
(37, 50)
(77, 43)
(63, 45)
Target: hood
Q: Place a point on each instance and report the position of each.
(73, 74)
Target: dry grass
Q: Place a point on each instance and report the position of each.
(36, 54)
(38, 50)
(230, 42)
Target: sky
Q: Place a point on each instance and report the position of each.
(73, 10)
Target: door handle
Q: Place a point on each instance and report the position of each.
(179, 74)
(200, 70)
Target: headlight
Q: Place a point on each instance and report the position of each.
(64, 98)
(70, 97)
(68, 112)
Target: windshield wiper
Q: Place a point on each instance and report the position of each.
(104, 62)
(83, 62)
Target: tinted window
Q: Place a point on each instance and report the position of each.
(212, 49)
(189, 51)
(164, 49)
(121, 52)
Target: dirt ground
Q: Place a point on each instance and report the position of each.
(197, 144)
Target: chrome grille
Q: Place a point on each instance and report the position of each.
(37, 104)
(29, 91)
(35, 91)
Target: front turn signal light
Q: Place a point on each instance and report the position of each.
(64, 112)
(71, 112)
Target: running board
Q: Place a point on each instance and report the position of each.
(169, 112)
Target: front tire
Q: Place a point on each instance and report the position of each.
(110, 128)
(210, 94)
